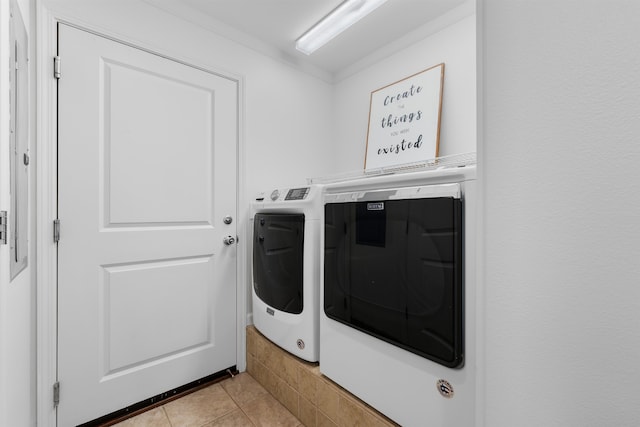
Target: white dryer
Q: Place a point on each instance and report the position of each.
(286, 268)
(398, 320)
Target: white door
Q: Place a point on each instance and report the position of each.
(146, 175)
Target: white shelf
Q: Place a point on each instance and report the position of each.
(445, 162)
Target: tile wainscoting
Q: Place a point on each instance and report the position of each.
(303, 390)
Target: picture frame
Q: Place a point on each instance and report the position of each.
(404, 120)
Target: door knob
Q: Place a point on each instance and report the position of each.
(229, 240)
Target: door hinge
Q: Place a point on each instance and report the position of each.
(56, 67)
(3, 228)
(56, 230)
(56, 394)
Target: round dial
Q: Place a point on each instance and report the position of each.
(274, 195)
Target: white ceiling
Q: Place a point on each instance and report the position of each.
(272, 26)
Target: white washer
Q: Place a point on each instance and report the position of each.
(286, 268)
(405, 386)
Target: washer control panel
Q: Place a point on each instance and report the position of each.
(297, 193)
(290, 194)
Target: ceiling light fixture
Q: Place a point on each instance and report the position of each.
(342, 17)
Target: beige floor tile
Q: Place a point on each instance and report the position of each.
(307, 413)
(266, 411)
(271, 381)
(152, 418)
(315, 368)
(201, 407)
(251, 364)
(236, 418)
(251, 341)
(350, 414)
(327, 399)
(273, 358)
(262, 348)
(259, 372)
(323, 421)
(374, 420)
(243, 388)
(307, 383)
(289, 370)
(286, 395)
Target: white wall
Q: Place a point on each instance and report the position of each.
(454, 45)
(559, 159)
(17, 297)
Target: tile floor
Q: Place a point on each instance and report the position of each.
(234, 402)
(298, 385)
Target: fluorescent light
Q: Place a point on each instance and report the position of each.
(342, 17)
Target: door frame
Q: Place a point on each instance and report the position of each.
(46, 193)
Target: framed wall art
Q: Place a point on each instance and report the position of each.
(404, 120)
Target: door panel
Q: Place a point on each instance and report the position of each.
(150, 334)
(147, 172)
(180, 171)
